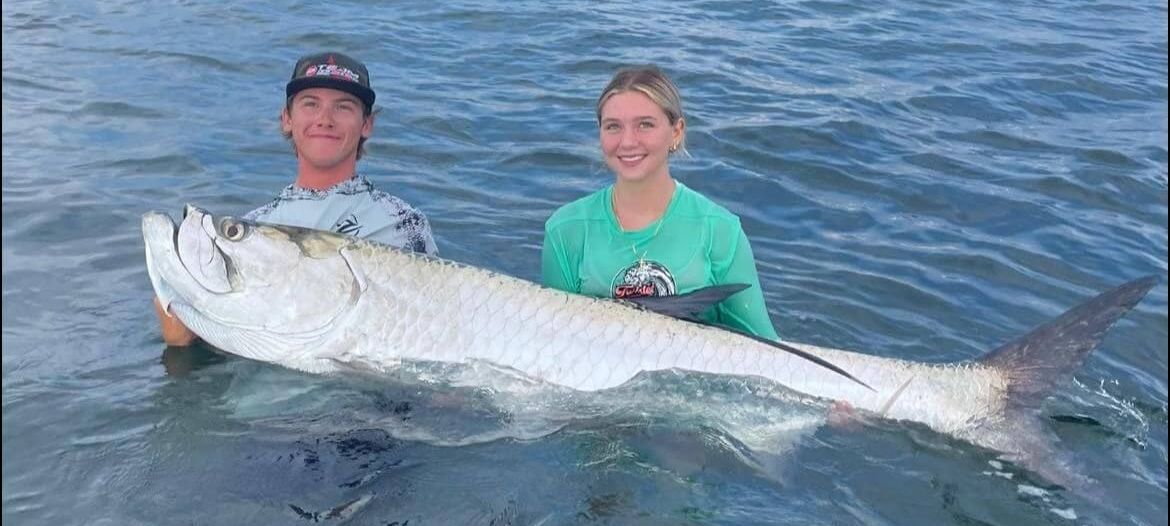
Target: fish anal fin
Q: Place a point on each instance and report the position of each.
(894, 397)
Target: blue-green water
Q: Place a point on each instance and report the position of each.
(922, 180)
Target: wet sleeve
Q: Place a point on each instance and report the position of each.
(408, 229)
(555, 270)
(426, 238)
(746, 310)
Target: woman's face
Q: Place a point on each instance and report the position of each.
(636, 136)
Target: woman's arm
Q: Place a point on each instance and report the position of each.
(745, 310)
(555, 271)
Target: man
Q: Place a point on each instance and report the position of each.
(327, 116)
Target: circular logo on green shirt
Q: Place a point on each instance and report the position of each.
(643, 278)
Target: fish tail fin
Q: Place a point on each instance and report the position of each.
(1039, 454)
(1035, 362)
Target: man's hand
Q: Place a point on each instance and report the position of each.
(173, 331)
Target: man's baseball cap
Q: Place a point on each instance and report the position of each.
(333, 71)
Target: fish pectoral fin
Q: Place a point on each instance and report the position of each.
(691, 305)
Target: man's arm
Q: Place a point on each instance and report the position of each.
(174, 333)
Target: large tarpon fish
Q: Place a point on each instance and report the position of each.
(322, 302)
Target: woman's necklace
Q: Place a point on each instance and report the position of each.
(634, 244)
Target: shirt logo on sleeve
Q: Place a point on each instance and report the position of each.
(348, 225)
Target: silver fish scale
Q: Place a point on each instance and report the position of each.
(306, 314)
(438, 310)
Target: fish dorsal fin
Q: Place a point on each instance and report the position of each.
(793, 350)
(691, 305)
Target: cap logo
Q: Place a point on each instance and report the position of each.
(334, 71)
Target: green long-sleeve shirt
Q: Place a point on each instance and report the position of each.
(695, 244)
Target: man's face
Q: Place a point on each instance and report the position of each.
(326, 126)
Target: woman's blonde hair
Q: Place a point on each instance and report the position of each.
(652, 82)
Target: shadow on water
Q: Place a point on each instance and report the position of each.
(179, 362)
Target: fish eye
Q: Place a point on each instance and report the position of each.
(232, 230)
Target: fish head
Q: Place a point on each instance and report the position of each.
(267, 292)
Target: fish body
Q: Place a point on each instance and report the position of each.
(322, 302)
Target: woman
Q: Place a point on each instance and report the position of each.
(648, 234)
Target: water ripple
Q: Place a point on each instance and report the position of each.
(919, 180)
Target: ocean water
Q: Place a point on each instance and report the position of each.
(922, 180)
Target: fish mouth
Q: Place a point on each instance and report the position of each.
(186, 252)
(161, 240)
